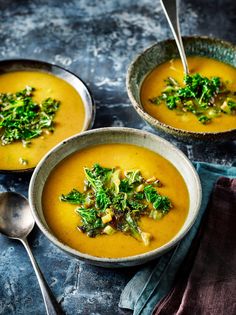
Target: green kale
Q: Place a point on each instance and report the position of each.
(232, 104)
(92, 223)
(135, 205)
(125, 186)
(23, 119)
(111, 203)
(133, 227)
(102, 199)
(139, 196)
(115, 181)
(74, 197)
(134, 177)
(160, 203)
(171, 101)
(204, 119)
(204, 97)
(150, 193)
(97, 176)
(119, 202)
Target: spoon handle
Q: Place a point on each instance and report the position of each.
(50, 302)
(170, 8)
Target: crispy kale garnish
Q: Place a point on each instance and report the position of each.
(115, 202)
(21, 118)
(160, 203)
(204, 97)
(74, 197)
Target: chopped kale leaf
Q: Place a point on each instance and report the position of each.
(22, 119)
(204, 97)
(112, 202)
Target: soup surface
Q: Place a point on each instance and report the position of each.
(154, 84)
(63, 220)
(69, 118)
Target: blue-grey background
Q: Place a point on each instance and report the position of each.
(97, 40)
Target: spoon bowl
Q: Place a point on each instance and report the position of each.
(16, 220)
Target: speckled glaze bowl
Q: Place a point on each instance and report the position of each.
(106, 136)
(164, 51)
(10, 65)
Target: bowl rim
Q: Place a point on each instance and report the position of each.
(91, 104)
(154, 121)
(106, 260)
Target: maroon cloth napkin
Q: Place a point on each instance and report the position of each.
(206, 282)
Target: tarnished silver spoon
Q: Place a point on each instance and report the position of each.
(16, 222)
(170, 8)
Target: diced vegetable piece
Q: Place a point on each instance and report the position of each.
(156, 215)
(151, 180)
(146, 238)
(228, 106)
(109, 230)
(140, 188)
(106, 218)
(225, 107)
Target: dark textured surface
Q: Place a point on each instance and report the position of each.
(97, 40)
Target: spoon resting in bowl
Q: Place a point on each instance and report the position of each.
(16, 222)
(170, 8)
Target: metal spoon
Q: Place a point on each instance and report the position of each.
(170, 8)
(16, 222)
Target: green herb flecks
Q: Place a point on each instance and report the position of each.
(21, 118)
(205, 98)
(115, 201)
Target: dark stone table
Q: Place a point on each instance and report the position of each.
(97, 40)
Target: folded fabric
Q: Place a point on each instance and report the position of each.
(154, 281)
(206, 282)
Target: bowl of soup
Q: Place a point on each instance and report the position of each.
(197, 106)
(41, 104)
(115, 197)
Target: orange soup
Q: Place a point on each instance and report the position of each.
(154, 84)
(63, 220)
(69, 118)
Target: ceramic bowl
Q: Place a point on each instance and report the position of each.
(167, 50)
(7, 66)
(107, 136)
